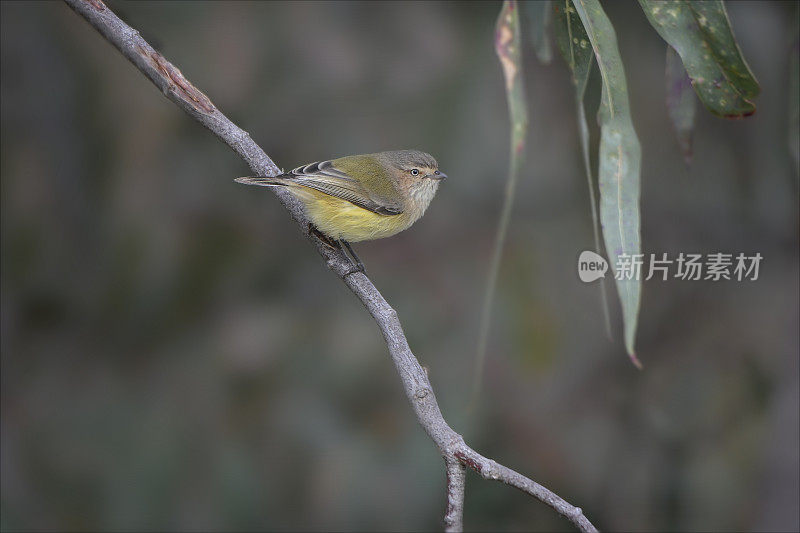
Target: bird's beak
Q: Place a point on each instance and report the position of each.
(439, 175)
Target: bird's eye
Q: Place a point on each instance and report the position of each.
(414, 172)
(437, 172)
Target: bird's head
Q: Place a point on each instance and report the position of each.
(414, 172)
(412, 168)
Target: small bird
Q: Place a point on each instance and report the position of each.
(361, 197)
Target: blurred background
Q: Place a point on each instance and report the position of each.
(176, 356)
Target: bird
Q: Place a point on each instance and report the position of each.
(361, 197)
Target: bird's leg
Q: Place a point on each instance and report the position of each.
(337, 245)
(358, 264)
(327, 241)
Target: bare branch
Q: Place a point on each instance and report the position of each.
(418, 389)
(489, 469)
(456, 482)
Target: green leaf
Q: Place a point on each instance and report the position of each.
(538, 15)
(701, 34)
(619, 168)
(713, 20)
(575, 48)
(680, 102)
(573, 43)
(508, 47)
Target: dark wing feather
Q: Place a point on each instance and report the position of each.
(326, 178)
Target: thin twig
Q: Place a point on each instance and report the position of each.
(414, 378)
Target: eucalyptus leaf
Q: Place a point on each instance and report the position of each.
(575, 48)
(507, 45)
(713, 20)
(573, 43)
(681, 102)
(538, 15)
(619, 167)
(701, 34)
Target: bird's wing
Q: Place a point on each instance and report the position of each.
(326, 178)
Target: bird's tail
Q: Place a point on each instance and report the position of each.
(264, 181)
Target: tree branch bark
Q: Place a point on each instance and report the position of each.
(456, 483)
(457, 455)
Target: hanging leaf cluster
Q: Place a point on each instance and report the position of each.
(702, 58)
